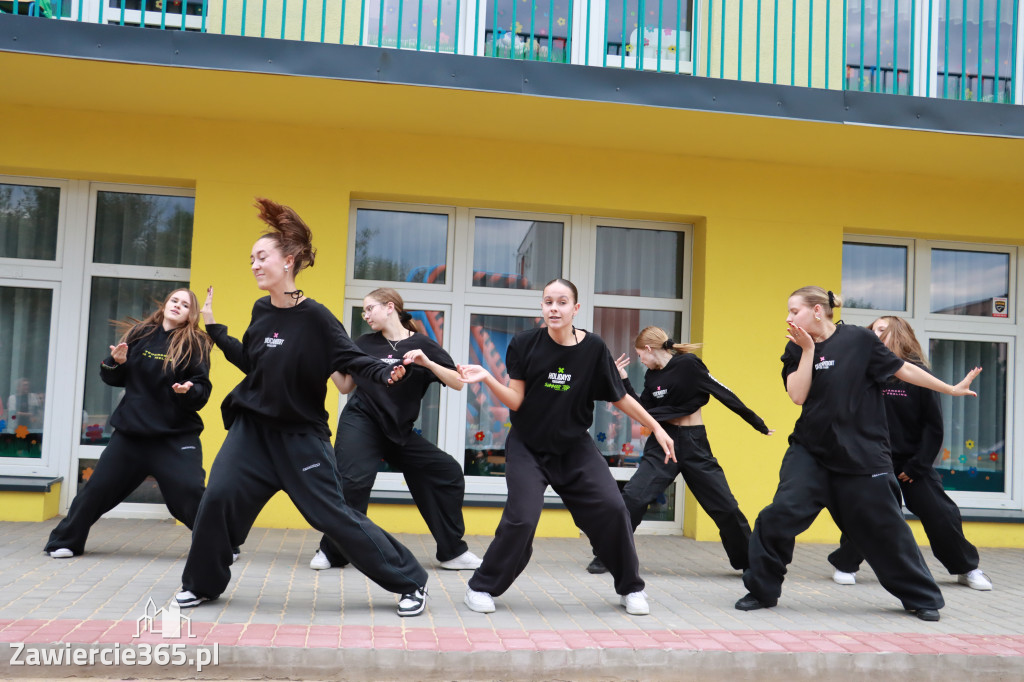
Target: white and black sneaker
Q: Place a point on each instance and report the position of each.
(188, 599)
(413, 603)
(65, 553)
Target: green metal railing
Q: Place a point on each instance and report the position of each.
(960, 49)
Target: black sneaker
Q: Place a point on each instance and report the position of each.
(596, 566)
(413, 603)
(752, 603)
(187, 600)
(930, 615)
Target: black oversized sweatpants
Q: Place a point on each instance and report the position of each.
(255, 461)
(176, 462)
(942, 523)
(581, 478)
(435, 479)
(702, 475)
(863, 506)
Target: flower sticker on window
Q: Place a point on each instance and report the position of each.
(627, 448)
(963, 459)
(21, 431)
(418, 432)
(3, 424)
(969, 444)
(945, 454)
(644, 431)
(561, 21)
(479, 435)
(972, 472)
(994, 456)
(94, 432)
(601, 437)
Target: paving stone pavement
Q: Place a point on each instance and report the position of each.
(281, 620)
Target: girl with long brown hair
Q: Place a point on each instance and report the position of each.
(278, 438)
(163, 364)
(676, 386)
(914, 416)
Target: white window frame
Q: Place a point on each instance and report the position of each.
(929, 326)
(909, 283)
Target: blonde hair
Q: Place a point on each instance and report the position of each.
(813, 296)
(899, 337)
(656, 337)
(387, 295)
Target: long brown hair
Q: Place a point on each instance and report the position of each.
(899, 337)
(188, 343)
(656, 337)
(387, 295)
(288, 231)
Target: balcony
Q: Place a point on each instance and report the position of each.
(967, 50)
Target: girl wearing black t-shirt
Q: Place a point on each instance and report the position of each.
(915, 432)
(555, 374)
(278, 438)
(838, 457)
(676, 386)
(377, 423)
(163, 365)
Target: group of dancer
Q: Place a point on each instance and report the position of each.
(839, 455)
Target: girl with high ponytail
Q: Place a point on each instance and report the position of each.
(278, 438)
(377, 423)
(676, 386)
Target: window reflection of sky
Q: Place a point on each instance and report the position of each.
(874, 276)
(962, 278)
(391, 244)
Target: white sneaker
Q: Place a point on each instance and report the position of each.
(234, 556)
(319, 562)
(635, 603)
(481, 602)
(976, 580)
(188, 599)
(844, 578)
(465, 561)
(65, 553)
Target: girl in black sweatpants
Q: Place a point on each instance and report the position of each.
(163, 364)
(555, 375)
(838, 457)
(278, 437)
(914, 416)
(676, 386)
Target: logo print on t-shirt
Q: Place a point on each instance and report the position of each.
(558, 381)
(391, 359)
(823, 363)
(273, 341)
(660, 392)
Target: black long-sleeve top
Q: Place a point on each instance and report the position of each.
(914, 415)
(287, 355)
(150, 407)
(683, 386)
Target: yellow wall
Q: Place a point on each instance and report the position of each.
(762, 229)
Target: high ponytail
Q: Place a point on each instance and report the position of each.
(656, 337)
(291, 234)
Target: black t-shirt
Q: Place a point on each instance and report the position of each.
(683, 386)
(288, 354)
(914, 415)
(150, 407)
(395, 408)
(843, 421)
(562, 383)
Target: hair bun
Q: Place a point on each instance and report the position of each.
(404, 316)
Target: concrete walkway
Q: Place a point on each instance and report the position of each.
(281, 620)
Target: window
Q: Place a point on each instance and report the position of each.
(29, 220)
(482, 278)
(960, 300)
(25, 318)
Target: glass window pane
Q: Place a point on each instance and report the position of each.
(973, 455)
(967, 68)
(143, 229)
(622, 32)
(147, 492)
(112, 299)
(634, 262)
(428, 25)
(874, 62)
(520, 30)
(28, 221)
(874, 276)
(487, 419)
(397, 246)
(968, 282)
(431, 323)
(619, 438)
(24, 349)
(516, 254)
